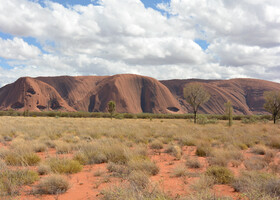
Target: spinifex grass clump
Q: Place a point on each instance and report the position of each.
(221, 175)
(21, 157)
(64, 165)
(54, 184)
(255, 185)
(103, 151)
(12, 180)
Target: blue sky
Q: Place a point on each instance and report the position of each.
(164, 39)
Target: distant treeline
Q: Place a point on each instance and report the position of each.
(81, 114)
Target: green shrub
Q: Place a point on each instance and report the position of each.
(54, 184)
(221, 175)
(64, 165)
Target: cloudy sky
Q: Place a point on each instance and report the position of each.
(164, 39)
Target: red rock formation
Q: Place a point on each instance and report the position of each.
(132, 94)
(246, 95)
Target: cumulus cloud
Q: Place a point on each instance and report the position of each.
(17, 49)
(125, 37)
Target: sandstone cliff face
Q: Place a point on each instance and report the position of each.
(132, 94)
(246, 95)
(31, 94)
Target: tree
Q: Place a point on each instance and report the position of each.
(228, 112)
(195, 95)
(272, 103)
(111, 107)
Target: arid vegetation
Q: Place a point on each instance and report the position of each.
(90, 158)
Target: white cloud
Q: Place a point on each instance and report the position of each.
(17, 49)
(125, 37)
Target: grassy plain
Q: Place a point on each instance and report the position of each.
(151, 159)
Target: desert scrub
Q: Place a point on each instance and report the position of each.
(203, 183)
(39, 147)
(12, 180)
(64, 165)
(186, 141)
(193, 163)
(17, 157)
(205, 195)
(221, 175)
(54, 184)
(275, 142)
(102, 151)
(257, 184)
(43, 169)
(258, 149)
(131, 192)
(175, 151)
(144, 165)
(118, 170)
(156, 144)
(255, 163)
(179, 171)
(62, 147)
(203, 150)
(138, 179)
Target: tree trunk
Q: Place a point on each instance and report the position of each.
(274, 119)
(195, 117)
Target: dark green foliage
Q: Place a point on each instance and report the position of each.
(111, 108)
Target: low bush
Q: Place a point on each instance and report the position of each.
(205, 195)
(144, 165)
(175, 151)
(203, 183)
(138, 179)
(221, 175)
(43, 169)
(258, 149)
(118, 170)
(257, 184)
(54, 184)
(63, 147)
(18, 158)
(179, 171)
(64, 165)
(39, 147)
(193, 163)
(255, 163)
(12, 180)
(203, 150)
(156, 144)
(132, 192)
